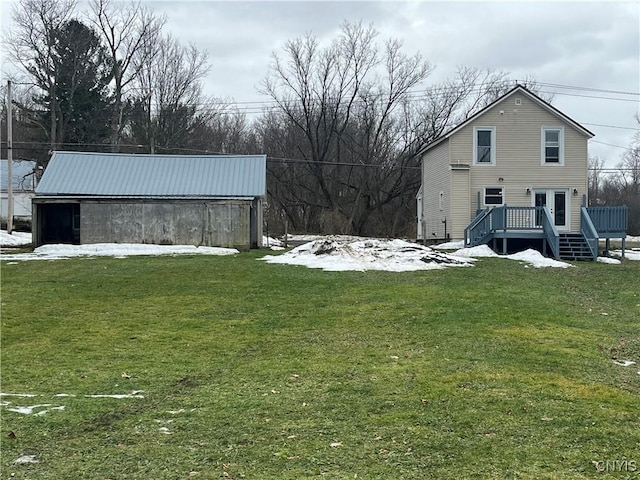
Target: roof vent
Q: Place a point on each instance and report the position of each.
(518, 101)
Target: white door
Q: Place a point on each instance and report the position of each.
(557, 200)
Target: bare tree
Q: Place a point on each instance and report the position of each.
(169, 104)
(127, 32)
(595, 180)
(630, 183)
(354, 116)
(226, 130)
(347, 106)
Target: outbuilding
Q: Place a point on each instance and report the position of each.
(210, 200)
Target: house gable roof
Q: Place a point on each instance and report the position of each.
(517, 89)
(127, 175)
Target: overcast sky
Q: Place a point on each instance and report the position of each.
(583, 45)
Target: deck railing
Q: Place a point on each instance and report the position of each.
(595, 223)
(505, 218)
(589, 231)
(522, 218)
(609, 219)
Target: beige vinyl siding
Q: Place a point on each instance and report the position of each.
(460, 203)
(435, 179)
(518, 154)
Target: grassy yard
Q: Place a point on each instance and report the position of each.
(258, 371)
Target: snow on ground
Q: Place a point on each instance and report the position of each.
(449, 245)
(476, 252)
(14, 239)
(272, 243)
(610, 261)
(119, 250)
(41, 409)
(334, 253)
(310, 238)
(337, 253)
(628, 254)
(532, 257)
(349, 253)
(536, 259)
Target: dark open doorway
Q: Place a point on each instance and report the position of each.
(60, 223)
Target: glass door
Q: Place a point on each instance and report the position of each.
(557, 202)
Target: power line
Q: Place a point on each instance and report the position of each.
(342, 164)
(593, 96)
(611, 126)
(609, 144)
(590, 89)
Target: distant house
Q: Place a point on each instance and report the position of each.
(156, 199)
(23, 182)
(515, 171)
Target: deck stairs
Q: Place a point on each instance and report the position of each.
(573, 246)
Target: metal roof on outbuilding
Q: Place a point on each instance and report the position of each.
(123, 175)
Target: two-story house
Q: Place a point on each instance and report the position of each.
(516, 170)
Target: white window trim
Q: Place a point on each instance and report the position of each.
(543, 145)
(484, 196)
(475, 145)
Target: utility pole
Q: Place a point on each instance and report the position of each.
(9, 160)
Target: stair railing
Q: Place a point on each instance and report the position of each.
(479, 230)
(550, 232)
(589, 232)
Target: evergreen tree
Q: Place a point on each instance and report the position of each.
(79, 101)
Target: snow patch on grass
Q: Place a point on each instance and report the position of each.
(536, 259)
(15, 239)
(118, 250)
(476, 252)
(337, 253)
(628, 254)
(610, 261)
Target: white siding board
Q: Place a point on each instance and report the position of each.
(435, 179)
(460, 203)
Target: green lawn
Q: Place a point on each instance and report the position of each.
(251, 370)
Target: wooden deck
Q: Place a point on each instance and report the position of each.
(506, 222)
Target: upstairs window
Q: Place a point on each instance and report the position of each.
(552, 146)
(484, 145)
(493, 196)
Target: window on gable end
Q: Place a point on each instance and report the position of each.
(484, 146)
(552, 146)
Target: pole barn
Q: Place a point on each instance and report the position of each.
(210, 200)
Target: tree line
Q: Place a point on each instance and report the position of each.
(341, 133)
(618, 186)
